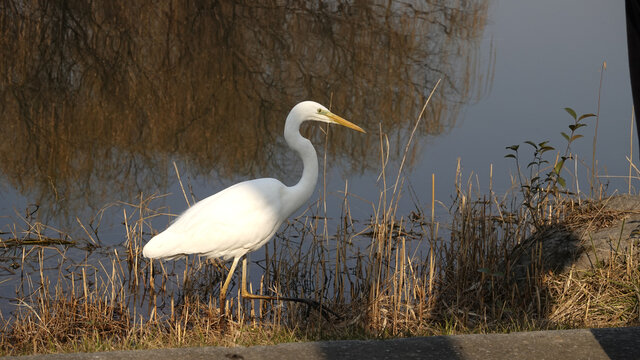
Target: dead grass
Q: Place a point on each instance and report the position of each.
(606, 295)
(394, 275)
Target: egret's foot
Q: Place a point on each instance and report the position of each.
(310, 303)
(325, 311)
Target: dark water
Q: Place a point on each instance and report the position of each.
(99, 102)
(548, 55)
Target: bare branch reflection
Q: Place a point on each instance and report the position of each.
(97, 98)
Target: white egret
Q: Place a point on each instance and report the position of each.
(244, 217)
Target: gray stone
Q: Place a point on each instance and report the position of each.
(614, 343)
(605, 232)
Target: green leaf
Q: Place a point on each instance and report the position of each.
(571, 112)
(510, 156)
(575, 127)
(562, 182)
(577, 136)
(513, 147)
(564, 135)
(558, 167)
(584, 116)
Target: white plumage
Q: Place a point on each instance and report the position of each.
(226, 225)
(244, 217)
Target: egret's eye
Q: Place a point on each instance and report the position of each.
(319, 110)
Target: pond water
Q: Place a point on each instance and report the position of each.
(106, 103)
(101, 105)
(548, 55)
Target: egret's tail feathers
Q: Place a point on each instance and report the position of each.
(165, 245)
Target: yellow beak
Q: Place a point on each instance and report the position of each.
(338, 120)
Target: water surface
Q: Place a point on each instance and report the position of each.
(103, 100)
(98, 103)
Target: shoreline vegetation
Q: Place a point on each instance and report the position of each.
(393, 275)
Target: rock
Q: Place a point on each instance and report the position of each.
(593, 235)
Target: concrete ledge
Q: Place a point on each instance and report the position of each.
(611, 343)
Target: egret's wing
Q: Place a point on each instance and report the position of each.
(230, 223)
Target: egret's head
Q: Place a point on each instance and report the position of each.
(310, 110)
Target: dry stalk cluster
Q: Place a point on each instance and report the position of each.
(394, 275)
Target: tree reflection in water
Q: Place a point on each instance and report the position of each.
(97, 98)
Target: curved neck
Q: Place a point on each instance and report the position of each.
(299, 193)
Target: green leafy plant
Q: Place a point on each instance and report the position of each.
(545, 179)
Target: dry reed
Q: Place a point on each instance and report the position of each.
(395, 275)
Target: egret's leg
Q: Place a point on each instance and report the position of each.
(245, 293)
(223, 290)
(311, 303)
